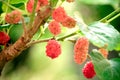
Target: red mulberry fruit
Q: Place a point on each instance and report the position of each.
(30, 5)
(69, 22)
(59, 14)
(88, 70)
(14, 17)
(43, 2)
(80, 50)
(4, 38)
(54, 27)
(53, 49)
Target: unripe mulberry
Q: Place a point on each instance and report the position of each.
(14, 17)
(30, 5)
(43, 2)
(53, 49)
(69, 22)
(54, 28)
(104, 52)
(4, 38)
(59, 14)
(80, 50)
(88, 70)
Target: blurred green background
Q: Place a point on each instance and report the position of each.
(33, 64)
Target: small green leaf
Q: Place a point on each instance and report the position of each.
(21, 6)
(4, 7)
(101, 34)
(53, 2)
(17, 1)
(47, 34)
(105, 69)
(15, 32)
(118, 46)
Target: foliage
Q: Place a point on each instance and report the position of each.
(101, 34)
(105, 69)
(101, 2)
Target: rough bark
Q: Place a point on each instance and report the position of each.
(14, 50)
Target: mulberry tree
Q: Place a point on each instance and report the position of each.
(41, 17)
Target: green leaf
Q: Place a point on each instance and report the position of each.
(113, 2)
(62, 0)
(101, 34)
(17, 1)
(4, 7)
(118, 45)
(36, 35)
(105, 69)
(20, 6)
(46, 35)
(53, 2)
(15, 32)
(1, 7)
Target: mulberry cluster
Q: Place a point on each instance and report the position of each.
(80, 50)
(88, 70)
(104, 52)
(30, 5)
(60, 17)
(54, 27)
(4, 38)
(14, 17)
(53, 49)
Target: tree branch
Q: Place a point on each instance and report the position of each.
(35, 42)
(14, 50)
(24, 25)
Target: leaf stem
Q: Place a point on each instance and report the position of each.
(113, 18)
(66, 36)
(24, 25)
(6, 10)
(110, 15)
(32, 16)
(59, 39)
(41, 32)
(37, 41)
